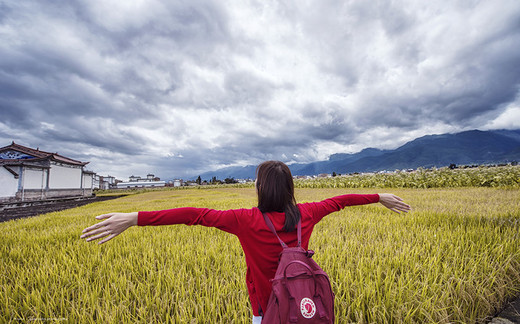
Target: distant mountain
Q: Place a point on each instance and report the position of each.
(470, 147)
(335, 162)
(246, 172)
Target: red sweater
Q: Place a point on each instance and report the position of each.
(261, 247)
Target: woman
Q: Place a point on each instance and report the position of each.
(275, 191)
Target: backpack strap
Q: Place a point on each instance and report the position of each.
(269, 224)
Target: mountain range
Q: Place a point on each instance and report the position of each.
(464, 148)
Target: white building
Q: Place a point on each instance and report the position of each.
(138, 182)
(149, 178)
(104, 182)
(29, 174)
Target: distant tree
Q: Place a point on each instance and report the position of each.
(199, 180)
(333, 173)
(453, 166)
(230, 180)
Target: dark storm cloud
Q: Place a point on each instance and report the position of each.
(244, 88)
(92, 67)
(184, 87)
(473, 70)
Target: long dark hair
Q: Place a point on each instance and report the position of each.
(275, 189)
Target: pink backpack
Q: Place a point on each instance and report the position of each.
(301, 289)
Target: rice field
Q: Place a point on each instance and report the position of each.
(503, 177)
(454, 259)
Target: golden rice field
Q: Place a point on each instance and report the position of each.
(454, 259)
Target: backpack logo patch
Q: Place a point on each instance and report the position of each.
(307, 308)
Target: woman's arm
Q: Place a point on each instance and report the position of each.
(116, 223)
(113, 225)
(330, 205)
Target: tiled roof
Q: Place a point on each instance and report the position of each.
(38, 154)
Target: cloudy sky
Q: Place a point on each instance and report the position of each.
(176, 88)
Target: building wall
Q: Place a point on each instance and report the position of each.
(28, 195)
(88, 184)
(64, 177)
(144, 184)
(88, 181)
(34, 178)
(9, 185)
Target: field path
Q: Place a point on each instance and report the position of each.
(38, 209)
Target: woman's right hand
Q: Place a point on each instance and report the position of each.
(394, 203)
(113, 225)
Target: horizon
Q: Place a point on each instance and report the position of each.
(216, 171)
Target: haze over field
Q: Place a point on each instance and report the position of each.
(179, 88)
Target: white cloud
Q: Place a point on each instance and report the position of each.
(508, 119)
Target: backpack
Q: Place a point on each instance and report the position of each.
(301, 289)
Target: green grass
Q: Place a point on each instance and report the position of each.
(454, 259)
